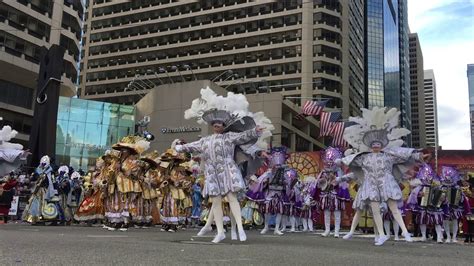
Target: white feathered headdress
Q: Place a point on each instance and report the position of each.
(375, 125)
(235, 104)
(6, 134)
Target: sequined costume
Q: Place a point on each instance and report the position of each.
(43, 204)
(176, 190)
(92, 206)
(217, 153)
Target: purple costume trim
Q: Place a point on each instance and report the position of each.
(335, 200)
(424, 215)
(457, 212)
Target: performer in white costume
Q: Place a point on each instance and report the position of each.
(222, 151)
(379, 161)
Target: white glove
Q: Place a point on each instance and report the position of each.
(179, 148)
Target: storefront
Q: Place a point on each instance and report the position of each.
(86, 129)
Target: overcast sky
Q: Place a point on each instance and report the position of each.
(446, 32)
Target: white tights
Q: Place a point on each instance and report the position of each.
(217, 215)
(447, 229)
(337, 221)
(396, 228)
(392, 205)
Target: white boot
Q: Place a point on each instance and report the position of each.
(386, 225)
(447, 229)
(337, 223)
(439, 233)
(327, 223)
(277, 225)
(284, 223)
(423, 232)
(396, 229)
(305, 225)
(347, 236)
(218, 238)
(265, 228)
(455, 231)
(293, 223)
(310, 224)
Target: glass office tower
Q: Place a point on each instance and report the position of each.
(86, 129)
(387, 57)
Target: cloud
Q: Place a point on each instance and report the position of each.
(446, 32)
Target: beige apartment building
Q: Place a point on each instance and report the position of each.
(295, 49)
(165, 105)
(417, 92)
(25, 27)
(431, 109)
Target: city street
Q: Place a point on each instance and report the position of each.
(76, 245)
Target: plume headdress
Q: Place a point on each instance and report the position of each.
(237, 108)
(376, 125)
(6, 134)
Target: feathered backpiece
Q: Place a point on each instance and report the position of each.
(376, 125)
(6, 134)
(235, 104)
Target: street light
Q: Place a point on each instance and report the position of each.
(188, 67)
(174, 68)
(156, 75)
(235, 81)
(162, 70)
(223, 73)
(232, 76)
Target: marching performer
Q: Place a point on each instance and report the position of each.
(43, 204)
(92, 207)
(121, 187)
(310, 195)
(232, 125)
(425, 201)
(333, 195)
(379, 161)
(222, 176)
(63, 185)
(175, 188)
(273, 185)
(455, 205)
(149, 182)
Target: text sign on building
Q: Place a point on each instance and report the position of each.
(183, 129)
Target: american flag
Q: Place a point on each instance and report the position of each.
(327, 121)
(337, 133)
(311, 108)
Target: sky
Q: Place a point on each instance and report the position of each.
(446, 32)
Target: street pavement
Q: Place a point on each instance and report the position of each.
(22, 244)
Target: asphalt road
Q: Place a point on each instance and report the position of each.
(76, 245)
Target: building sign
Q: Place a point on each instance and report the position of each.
(183, 129)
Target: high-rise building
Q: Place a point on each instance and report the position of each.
(306, 49)
(431, 109)
(26, 26)
(387, 66)
(470, 82)
(404, 62)
(418, 131)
